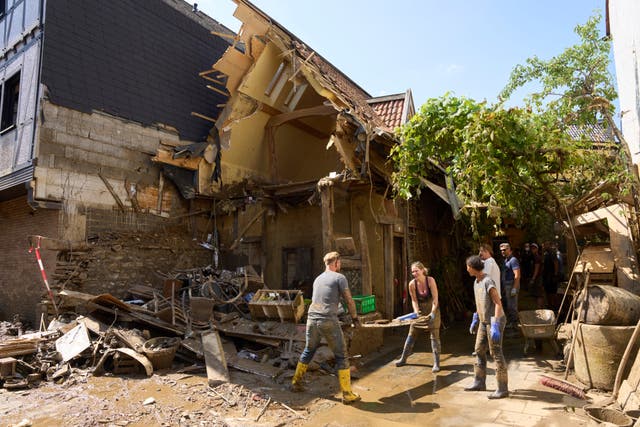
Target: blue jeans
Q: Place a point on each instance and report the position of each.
(511, 303)
(332, 333)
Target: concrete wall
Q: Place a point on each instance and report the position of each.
(21, 284)
(74, 146)
(623, 17)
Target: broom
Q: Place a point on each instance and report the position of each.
(563, 386)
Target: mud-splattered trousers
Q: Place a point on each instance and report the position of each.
(332, 333)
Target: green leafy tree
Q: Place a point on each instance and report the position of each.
(518, 162)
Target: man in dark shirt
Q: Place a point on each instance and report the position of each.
(510, 283)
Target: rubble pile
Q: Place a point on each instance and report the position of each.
(202, 320)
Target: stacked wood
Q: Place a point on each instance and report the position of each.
(19, 346)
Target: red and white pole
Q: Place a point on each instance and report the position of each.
(44, 275)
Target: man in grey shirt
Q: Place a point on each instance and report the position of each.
(322, 321)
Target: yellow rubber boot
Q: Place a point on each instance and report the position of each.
(301, 368)
(344, 376)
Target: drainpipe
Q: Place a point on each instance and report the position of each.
(34, 204)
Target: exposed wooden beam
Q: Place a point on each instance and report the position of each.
(224, 35)
(387, 243)
(327, 218)
(165, 156)
(320, 110)
(246, 228)
(202, 116)
(220, 91)
(113, 192)
(295, 122)
(366, 261)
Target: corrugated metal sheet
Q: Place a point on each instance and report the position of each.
(16, 178)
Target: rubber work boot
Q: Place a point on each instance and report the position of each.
(503, 389)
(479, 383)
(435, 347)
(344, 376)
(296, 381)
(406, 351)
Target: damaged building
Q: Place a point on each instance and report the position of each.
(86, 104)
(298, 165)
(150, 139)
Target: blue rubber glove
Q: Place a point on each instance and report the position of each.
(495, 330)
(474, 324)
(429, 317)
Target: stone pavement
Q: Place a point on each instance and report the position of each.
(413, 395)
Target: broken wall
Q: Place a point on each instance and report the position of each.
(75, 147)
(299, 227)
(127, 250)
(117, 80)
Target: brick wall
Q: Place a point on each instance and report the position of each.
(21, 285)
(128, 249)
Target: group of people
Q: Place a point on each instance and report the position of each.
(542, 271)
(488, 322)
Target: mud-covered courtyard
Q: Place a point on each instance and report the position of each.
(410, 395)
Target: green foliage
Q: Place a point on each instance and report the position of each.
(518, 162)
(577, 87)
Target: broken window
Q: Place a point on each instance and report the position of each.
(10, 92)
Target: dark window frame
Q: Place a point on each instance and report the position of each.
(10, 103)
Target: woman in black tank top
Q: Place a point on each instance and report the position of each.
(424, 301)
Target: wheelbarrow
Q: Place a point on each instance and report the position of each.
(538, 325)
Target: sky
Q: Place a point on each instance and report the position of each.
(466, 47)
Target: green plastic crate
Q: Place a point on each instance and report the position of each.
(365, 303)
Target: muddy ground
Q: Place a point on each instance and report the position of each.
(411, 395)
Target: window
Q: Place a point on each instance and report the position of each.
(10, 92)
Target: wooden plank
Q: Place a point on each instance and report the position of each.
(165, 156)
(215, 89)
(295, 122)
(345, 245)
(261, 369)
(214, 357)
(246, 228)
(113, 192)
(366, 260)
(234, 64)
(224, 35)
(390, 323)
(387, 239)
(327, 218)
(281, 118)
